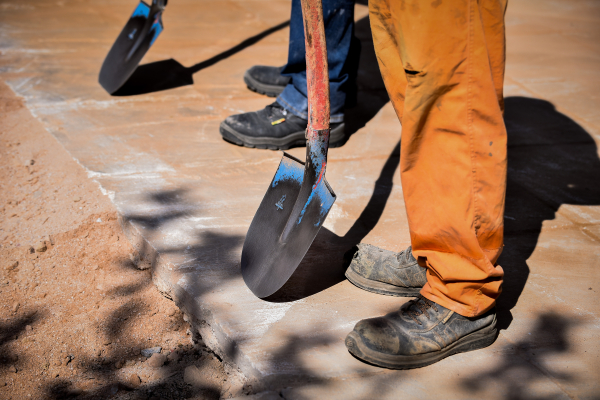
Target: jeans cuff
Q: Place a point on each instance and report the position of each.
(290, 108)
(333, 119)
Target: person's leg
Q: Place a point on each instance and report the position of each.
(281, 125)
(341, 57)
(443, 66)
(453, 152)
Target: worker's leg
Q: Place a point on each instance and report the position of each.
(338, 18)
(281, 125)
(443, 65)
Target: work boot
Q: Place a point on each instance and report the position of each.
(272, 128)
(266, 80)
(420, 333)
(385, 272)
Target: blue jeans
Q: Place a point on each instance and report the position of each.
(342, 56)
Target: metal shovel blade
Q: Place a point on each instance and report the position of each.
(131, 45)
(269, 259)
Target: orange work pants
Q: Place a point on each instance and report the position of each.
(442, 62)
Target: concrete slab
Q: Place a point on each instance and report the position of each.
(187, 198)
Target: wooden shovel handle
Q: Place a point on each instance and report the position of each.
(317, 72)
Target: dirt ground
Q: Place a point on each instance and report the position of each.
(76, 309)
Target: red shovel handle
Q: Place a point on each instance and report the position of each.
(317, 73)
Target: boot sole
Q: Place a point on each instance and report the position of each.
(473, 341)
(259, 87)
(380, 287)
(296, 139)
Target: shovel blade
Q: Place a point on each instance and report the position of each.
(267, 262)
(127, 51)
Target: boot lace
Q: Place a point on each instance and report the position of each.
(418, 307)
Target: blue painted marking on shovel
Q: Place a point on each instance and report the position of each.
(288, 170)
(142, 10)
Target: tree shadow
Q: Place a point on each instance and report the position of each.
(12, 329)
(552, 162)
(209, 248)
(523, 366)
(170, 74)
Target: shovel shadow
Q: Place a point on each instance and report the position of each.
(170, 74)
(326, 261)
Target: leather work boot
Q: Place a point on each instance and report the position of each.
(385, 272)
(266, 80)
(420, 333)
(272, 128)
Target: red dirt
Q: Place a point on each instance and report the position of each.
(76, 312)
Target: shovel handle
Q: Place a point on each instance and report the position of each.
(317, 77)
(317, 72)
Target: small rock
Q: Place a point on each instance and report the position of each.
(99, 220)
(76, 199)
(58, 362)
(12, 369)
(41, 247)
(149, 351)
(11, 265)
(134, 258)
(51, 239)
(173, 356)
(119, 364)
(132, 380)
(15, 306)
(28, 328)
(157, 360)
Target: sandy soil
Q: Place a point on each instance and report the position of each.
(76, 311)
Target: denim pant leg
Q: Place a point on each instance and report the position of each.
(339, 32)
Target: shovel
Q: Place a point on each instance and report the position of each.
(131, 45)
(299, 198)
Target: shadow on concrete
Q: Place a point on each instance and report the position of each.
(170, 74)
(523, 365)
(552, 161)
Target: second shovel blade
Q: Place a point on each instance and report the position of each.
(267, 263)
(120, 62)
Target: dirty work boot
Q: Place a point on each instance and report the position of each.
(420, 333)
(272, 128)
(266, 80)
(385, 272)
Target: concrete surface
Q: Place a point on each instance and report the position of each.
(187, 198)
